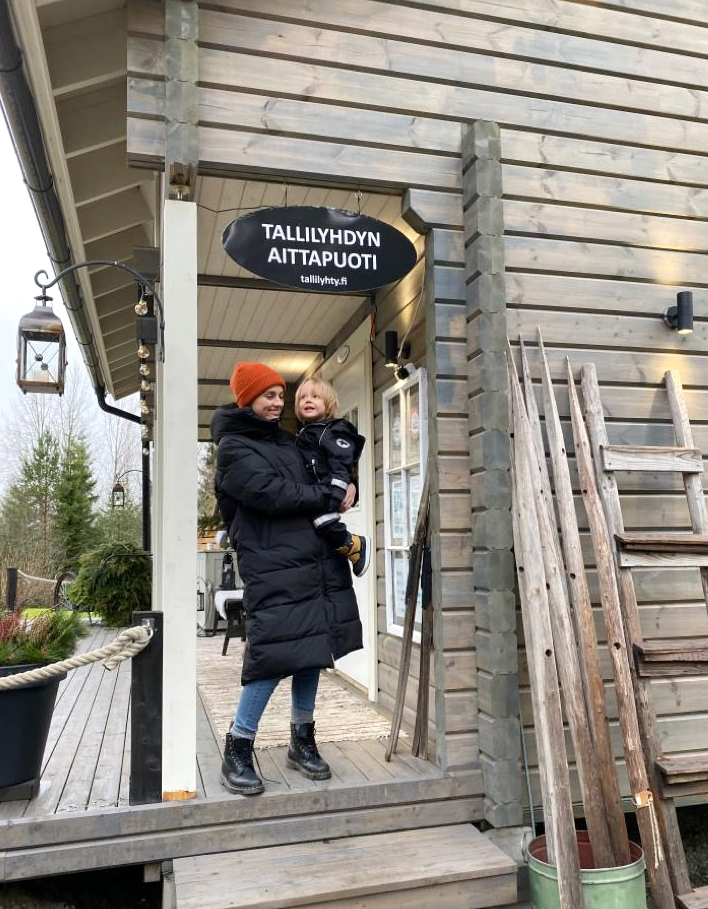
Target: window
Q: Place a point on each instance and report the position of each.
(405, 445)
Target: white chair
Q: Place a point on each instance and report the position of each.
(229, 605)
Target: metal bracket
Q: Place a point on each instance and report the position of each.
(148, 623)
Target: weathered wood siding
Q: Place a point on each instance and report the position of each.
(604, 145)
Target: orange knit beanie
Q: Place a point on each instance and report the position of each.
(249, 380)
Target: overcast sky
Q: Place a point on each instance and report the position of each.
(22, 254)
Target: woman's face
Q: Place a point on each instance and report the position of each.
(269, 405)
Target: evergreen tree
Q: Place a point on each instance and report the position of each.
(38, 481)
(120, 525)
(74, 518)
(206, 499)
(18, 542)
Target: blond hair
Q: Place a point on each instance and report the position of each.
(326, 391)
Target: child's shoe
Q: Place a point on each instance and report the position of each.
(359, 554)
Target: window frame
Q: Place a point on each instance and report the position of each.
(401, 390)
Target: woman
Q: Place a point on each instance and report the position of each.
(301, 612)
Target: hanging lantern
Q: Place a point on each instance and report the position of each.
(118, 496)
(41, 350)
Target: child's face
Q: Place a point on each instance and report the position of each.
(310, 406)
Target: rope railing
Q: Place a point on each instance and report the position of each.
(31, 577)
(127, 644)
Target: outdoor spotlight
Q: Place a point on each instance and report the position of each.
(392, 354)
(143, 352)
(391, 349)
(144, 370)
(402, 372)
(680, 317)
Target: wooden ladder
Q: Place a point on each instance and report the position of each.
(668, 776)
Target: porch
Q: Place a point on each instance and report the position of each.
(81, 819)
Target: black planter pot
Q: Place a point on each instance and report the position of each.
(25, 717)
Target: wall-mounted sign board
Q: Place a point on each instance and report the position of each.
(319, 249)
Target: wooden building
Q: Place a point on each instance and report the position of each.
(548, 159)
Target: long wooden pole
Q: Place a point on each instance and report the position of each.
(567, 661)
(642, 795)
(584, 622)
(548, 721)
(420, 734)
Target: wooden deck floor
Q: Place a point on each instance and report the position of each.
(83, 800)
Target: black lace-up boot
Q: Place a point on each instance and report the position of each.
(303, 754)
(237, 773)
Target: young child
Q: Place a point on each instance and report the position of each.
(331, 448)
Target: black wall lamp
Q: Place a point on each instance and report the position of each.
(680, 317)
(393, 355)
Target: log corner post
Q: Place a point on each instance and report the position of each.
(493, 570)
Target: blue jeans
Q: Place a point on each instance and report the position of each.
(255, 696)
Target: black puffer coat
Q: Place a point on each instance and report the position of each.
(300, 606)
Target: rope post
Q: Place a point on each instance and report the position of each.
(11, 589)
(146, 716)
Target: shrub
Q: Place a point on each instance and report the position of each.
(114, 580)
(47, 638)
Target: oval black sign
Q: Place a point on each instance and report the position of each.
(319, 249)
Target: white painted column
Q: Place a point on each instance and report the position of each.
(178, 500)
(157, 491)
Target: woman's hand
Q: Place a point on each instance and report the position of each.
(348, 499)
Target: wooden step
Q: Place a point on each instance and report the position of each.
(666, 550)
(672, 656)
(450, 867)
(697, 899)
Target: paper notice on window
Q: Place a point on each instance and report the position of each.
(398, 510)
(414, 489)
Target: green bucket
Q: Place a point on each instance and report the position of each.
(603, 888)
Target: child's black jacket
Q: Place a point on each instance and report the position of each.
(331, 450)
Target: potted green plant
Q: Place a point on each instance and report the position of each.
(26, 712)
(114, 580)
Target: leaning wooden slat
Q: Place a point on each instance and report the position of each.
(542, 761)
(652, 458)
(656, 857)
(696, 543)
(634, 559)
(609, 494)
(694, 650)
(567, 662)
(548, 722)
(691, 482)
(585, 624)
(416, 558)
